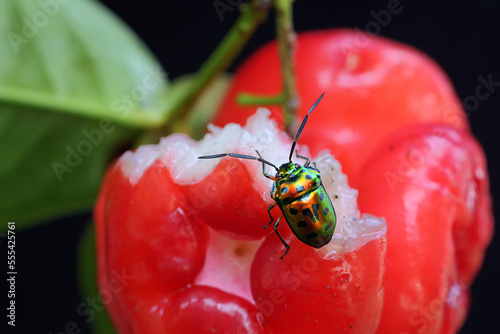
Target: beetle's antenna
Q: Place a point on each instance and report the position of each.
(239, 156)
(304, 121)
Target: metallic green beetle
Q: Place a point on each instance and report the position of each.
(299, 193)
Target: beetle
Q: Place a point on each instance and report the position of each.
(299, 193)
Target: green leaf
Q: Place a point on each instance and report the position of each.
(98, 319)
(75, 85)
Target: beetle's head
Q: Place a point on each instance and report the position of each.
(287, 169)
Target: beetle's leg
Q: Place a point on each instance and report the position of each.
(269, 176)
(308, 161)
(283, 241)
(270, 215)
(314, 163)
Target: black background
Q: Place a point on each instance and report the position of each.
(463, 37)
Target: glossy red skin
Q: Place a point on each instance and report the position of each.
(437, 231)
(364, 102)
(309, 294)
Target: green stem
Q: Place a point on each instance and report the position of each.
(252, 15)
(246, 99)
(70, 106)
(286, 43)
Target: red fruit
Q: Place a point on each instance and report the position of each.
(373, 87)
(184, 236)
(434, 186)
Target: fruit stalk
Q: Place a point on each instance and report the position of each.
(288, 97)
(286, 43)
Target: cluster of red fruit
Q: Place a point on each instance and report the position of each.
(392, 119)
